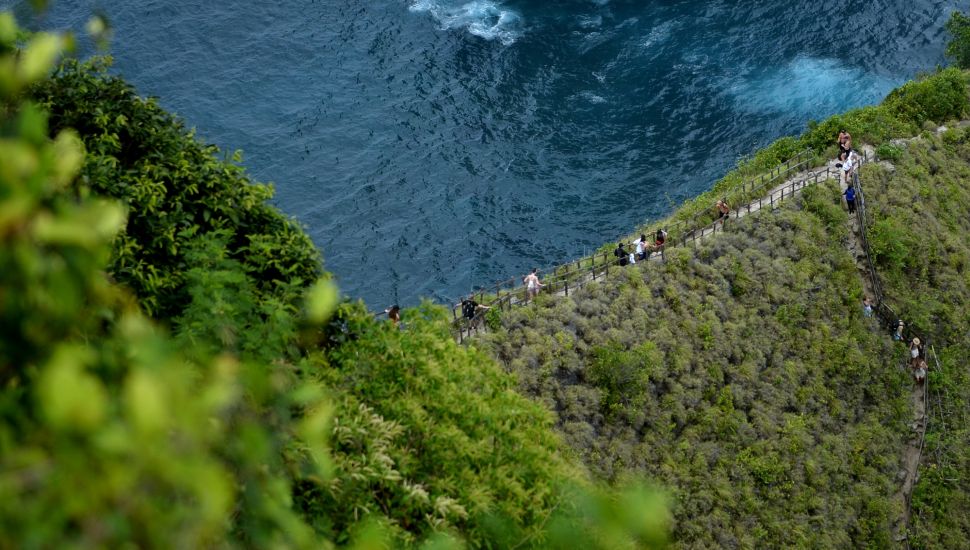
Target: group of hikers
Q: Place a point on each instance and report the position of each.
(643, 248)
(848, 162)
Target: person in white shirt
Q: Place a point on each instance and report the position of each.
(849, 166)
(532, 284)
(642, 248)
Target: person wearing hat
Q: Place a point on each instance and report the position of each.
(915, 352)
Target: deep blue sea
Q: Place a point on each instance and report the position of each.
(429, 146)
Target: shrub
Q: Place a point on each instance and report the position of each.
(958, 47)
(888, 152)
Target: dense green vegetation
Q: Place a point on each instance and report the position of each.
(252, 409)
(742, 375)
(920, 221)
(958, 47)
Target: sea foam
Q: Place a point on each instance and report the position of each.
(483, 18)
(810, 85)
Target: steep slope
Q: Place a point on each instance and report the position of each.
(919, 206)
(741, 374)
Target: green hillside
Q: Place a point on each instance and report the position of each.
(919, 202)
(742, 375)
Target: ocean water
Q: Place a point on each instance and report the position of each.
(433, 146)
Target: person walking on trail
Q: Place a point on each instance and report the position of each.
(849, 166)
(845, 144)
(915, 352)
(621, 254)
(532, 284)
(919, 372)
(867, 306)
(472, 310)
(850, 198)
(898, 335)
(723, 210)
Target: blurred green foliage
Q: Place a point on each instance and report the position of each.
(740, 374)
(254, 409)
(920, 208)
(108, 434)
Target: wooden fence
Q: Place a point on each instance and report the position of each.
(571, 276)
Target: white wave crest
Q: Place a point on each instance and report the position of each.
(482, 18)
(809, 85)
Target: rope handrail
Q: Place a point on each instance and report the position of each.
(891, 319)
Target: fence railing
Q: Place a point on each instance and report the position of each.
(677, 230)
(571, 276)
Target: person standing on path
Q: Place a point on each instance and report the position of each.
(848, 167)
(845, 144)
(915, 352)
(867, 307)
(620, 253)
(532, 284)
(723, 211)
(850, 198)
(642, 252)
(658, 243)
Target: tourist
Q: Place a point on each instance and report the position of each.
(898, 335)
(394, 314)
(848, 167)
(472, 310)
(915, 352)
(845, 144)
(867, 306)
(850, 198)
(723, 211)
(919, 371)
(621, 254)
(642, 252)
(660, 239)
(532, 284)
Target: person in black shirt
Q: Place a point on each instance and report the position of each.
(621, 253)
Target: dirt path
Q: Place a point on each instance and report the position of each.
(912, 451)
